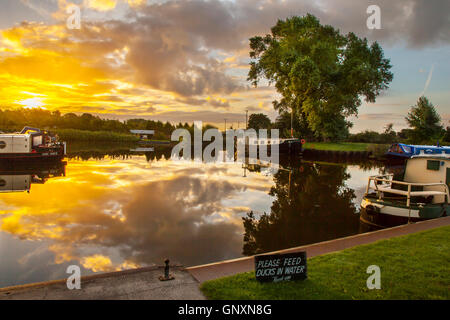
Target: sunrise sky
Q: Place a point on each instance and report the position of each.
(188, 60)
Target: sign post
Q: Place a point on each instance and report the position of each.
(281, 267)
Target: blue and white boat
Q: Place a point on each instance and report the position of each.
(406, 151)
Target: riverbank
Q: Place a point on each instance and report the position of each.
(345, 150)
(414, 266)
(74, 135)
(337, 146)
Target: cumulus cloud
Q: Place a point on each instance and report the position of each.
(172, 44)
(188, 49)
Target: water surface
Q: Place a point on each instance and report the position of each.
(122, 211)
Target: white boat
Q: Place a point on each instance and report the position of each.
(422, 193)
(31, 144)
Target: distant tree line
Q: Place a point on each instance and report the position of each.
(424, 127)
(16, 119)
(423, 119)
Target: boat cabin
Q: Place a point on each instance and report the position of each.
(426, 180)
(429, 169)
(421, 193)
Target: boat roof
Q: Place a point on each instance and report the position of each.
(418, 146)
(442, 156)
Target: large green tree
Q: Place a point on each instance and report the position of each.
(319, 72)
(259, 121)
(446, 137)
(299, 124)
(425, 122)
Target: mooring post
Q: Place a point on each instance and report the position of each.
(167, 275)
(166, 269)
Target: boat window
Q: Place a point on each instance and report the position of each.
(396, 148)
(2, 183)
(407, 149)
(433, 165)
(2, 144)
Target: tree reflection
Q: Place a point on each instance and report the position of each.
(312, 203)
(120, 153)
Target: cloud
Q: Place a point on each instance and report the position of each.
(178, 52)
(382, 116)
(100, 5)
(219, 103)
(38, 8)
(429, 23)
(205, 116)
(107, 5)
(445, 118)
(416, 23)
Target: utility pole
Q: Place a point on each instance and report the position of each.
(246, 119)
(292, 120)
(225, 125)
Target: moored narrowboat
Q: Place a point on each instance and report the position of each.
(422, 193)
(286, 147)
(406, 151)
(31, 144)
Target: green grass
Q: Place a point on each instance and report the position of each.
(337, 146)
(93, 136)
(412, 267)
(156, 140)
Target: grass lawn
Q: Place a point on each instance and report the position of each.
(412, 267)
(337, 146)
(156, 140)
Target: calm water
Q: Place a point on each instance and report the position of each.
(117, 212)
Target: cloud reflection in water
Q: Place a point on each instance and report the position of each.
(114, 214)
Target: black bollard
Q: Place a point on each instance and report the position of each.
(167, 276)
(166, 269)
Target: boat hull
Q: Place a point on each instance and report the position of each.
(41, 155)
(286, 148)
(387, 214)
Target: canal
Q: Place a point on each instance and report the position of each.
(115, 210)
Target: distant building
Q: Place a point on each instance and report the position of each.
(143, 134)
